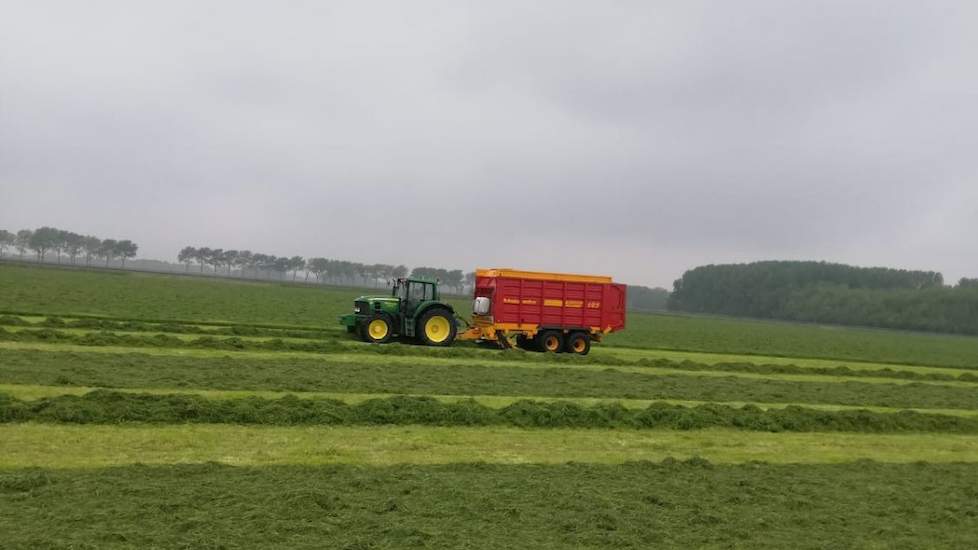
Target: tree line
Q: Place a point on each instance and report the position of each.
(643, 298)
(261, 265)
(74, 247)
(45, 240)
(323, 270)
(830, 293)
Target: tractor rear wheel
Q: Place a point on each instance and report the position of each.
(377, 329)
(579, 343)
(437, 327)
(551, 341)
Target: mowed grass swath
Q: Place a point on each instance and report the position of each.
(249, 401)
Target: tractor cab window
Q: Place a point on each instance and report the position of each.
(420, 292)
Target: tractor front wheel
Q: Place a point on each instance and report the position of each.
(437, 328)
(377, 329)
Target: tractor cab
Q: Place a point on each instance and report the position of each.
(413, 310)
(413, 292)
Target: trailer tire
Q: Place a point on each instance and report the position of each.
(377, 329)
(550, 341)
(579, 343)
(437, 327)
(525, 343)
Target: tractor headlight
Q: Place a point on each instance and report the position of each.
(356, 309)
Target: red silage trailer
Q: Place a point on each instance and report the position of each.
(552, 312)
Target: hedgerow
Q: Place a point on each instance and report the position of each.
(112, 407)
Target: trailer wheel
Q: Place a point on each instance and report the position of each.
(524, 343)
(551, 341)
(437, 327)
(579, 343)
(377, 329)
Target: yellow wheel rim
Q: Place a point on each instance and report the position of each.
(579, 344)
(377, 329)
(437, 329)
(552, 343)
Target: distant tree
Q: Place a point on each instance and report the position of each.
(379, 272)
(215, 258)
(7, 239)
(281, 266)
(243, 260)
(228, 259)
(23, 241)
(59, 243)
(386, 272)
(203, 256)
(187, 255)
(73, 243)
(968, 283)
(43, 240)
(470, 279)
(820, 292)
(318, 267)
(296, 263)
(647, 299)
(108, 250)
(261, 263)
(400, 272)
(125, 249)
(424, 273)
(92, 246)
(454, 279)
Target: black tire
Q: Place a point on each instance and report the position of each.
(437, 327)
(352, 328)
(525, 343)
(371, 332)
(579, 343)
(550, 341)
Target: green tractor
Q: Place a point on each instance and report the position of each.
(413, 310)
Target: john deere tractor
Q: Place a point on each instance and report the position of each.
(413, 310)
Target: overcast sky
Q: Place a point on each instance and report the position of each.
(636, 139)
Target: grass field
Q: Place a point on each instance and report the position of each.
(143, 410)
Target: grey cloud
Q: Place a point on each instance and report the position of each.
(632, 138)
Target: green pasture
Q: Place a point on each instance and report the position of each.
(140, 296)
(690, 504)
(154, 411)
(90, 446)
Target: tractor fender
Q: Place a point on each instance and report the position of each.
(426, 306)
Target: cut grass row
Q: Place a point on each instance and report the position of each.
(688, 504)
(186, 331)
(646, 365)
(33, 392)
(400, 375)
(169, 327)
(110, 407)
